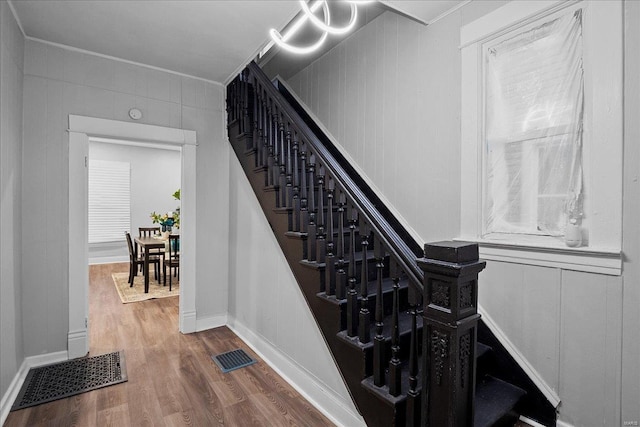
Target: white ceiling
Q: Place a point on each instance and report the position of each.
(209, 39)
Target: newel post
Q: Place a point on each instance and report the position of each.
(450, 332)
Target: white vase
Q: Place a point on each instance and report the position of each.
(573, 234)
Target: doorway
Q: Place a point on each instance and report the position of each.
(81, 128)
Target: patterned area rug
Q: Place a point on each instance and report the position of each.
(136, 293)
(71, 377)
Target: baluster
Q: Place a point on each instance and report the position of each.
(352, 294)
(264, 157)
(229, 103)
(296, 183)
(275, 171)
(241, 103)
(289, 174)
(245, 102)
(364, 323)
(256, 126)
(232, 100)
(413, 395)
(321, 243)
(378, 341)
(395, 370)
(270, 144)
(282, 176)
(304, 211)
(341, 275)
(236, 100)
(312, 232)
(330, 263)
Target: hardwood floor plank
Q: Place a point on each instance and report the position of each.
(172, 380)
(117, 416)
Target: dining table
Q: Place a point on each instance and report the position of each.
(146, 244)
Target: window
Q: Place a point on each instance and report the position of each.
(541, 133)
(109, 200)
(533, 105)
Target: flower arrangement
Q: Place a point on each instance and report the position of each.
(165, 220)
(169, 219)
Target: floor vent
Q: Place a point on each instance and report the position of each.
(232, 360)
(71, 377)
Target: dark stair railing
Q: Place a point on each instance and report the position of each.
(405, 342)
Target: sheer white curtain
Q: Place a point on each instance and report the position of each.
(533, 129)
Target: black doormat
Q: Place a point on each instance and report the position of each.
(71, 377)
(231, 360)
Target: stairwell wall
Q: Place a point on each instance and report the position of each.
(11, 80)
(390, 95)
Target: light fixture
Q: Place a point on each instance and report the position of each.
(324, 26)
(281, 40)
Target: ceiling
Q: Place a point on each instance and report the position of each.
(209, 39)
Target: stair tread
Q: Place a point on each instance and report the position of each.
(494, 399)
(404, 327)
(372, 288)
(358, 258)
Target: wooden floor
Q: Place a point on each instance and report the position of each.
(172, 379)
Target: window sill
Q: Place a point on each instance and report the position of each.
(549, 252)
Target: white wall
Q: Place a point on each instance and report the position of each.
(390, 94)
(631, 224)
(268, 310)
(11, 80)
(155, 176)
(60, 82)
(393, 107)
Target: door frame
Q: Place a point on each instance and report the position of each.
(81, 128)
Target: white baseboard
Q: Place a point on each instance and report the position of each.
(563, 424)
(531, 422)
(546, 390)
(307, 384)
(77, 343)
(211, 322)
(16, 384)
(107, 260)
(188, 322)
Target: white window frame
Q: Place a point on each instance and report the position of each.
(602, 144)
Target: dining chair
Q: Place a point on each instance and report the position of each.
(173, 260)
(137, 260)
(150, 232)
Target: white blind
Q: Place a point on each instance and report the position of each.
(109, 200)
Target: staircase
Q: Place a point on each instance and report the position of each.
(378, 298)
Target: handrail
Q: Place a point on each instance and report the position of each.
(402, 253)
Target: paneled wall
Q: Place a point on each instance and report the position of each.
(60, 82)
(11, 54)
(390, 95)
(567, 326)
